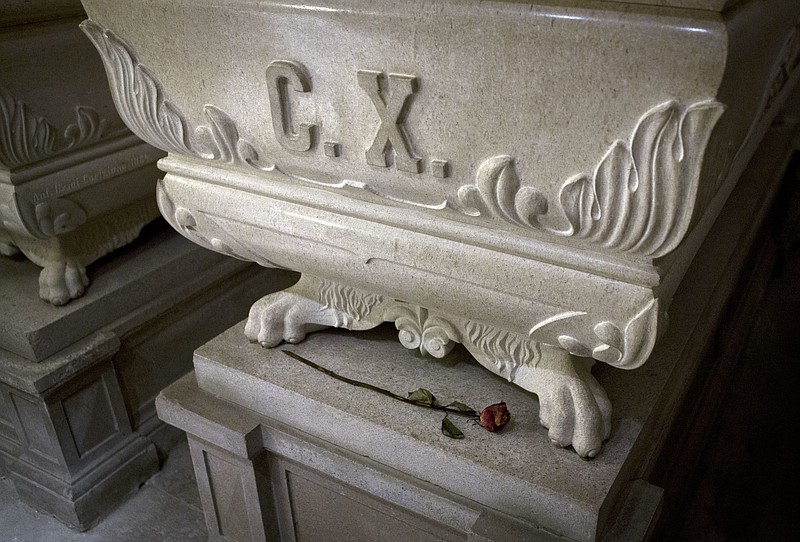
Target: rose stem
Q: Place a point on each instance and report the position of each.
(358, 383)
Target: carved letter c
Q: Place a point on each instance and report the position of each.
(280, 75)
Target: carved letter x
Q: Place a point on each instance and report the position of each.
(392, 107)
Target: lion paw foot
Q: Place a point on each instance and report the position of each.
(61, 282)
(577, 413)
(285, 316)
(572, 405)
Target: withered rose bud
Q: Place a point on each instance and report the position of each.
(495, 417)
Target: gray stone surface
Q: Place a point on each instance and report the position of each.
(516, 472)
(74, 183)
(120, 287)
(78, 428)
(165, 509)
(528, 180)
(176, 478)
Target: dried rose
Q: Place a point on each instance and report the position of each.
(495, 417)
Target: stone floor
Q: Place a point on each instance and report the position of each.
(749, 489)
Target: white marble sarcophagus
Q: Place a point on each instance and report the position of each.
(531, 180)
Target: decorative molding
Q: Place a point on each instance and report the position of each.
(640, 198)
(138, 96)
(215, 238)
(498, 193)
(49, 218)
(506, 350)
(65, 257)
(26, 138)
(57, 216)
(143, 106)
(224, 143)
(625, 344)
(357, 304)
(563, 383)
(626, 349)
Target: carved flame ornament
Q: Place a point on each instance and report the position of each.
(143, 106)
(639, 199)
(26, 138)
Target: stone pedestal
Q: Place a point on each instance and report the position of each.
(282, 451)
(78, 430)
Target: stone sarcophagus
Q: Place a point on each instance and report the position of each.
(75, 184)
(527, 179)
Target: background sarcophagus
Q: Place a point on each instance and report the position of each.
(531, 181)
(75, 184)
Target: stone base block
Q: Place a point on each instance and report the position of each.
(283, 451)
(332, 462)
(80, 503)
(78, 428)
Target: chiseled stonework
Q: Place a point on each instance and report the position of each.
(471, 196)
(72, 192)
(26, 138)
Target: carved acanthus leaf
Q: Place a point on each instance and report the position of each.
(639, 199)
(26, 138)
(143, 106)
(224, 142)
(137, 95)
(89, 127)
(497, 193)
